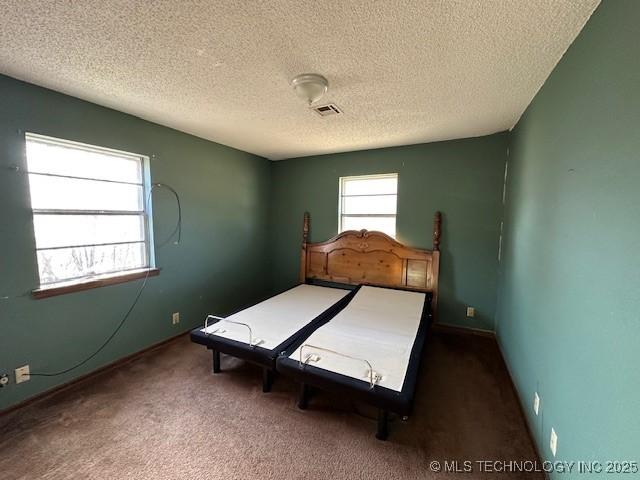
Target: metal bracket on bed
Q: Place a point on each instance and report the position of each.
(374, 377)
(222, 330)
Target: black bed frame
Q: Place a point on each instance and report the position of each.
(385, 399)
(264, 357)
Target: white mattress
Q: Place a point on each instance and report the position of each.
(379, 325)
(279, 317)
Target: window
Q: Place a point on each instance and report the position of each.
(369, 202)
(90, 212)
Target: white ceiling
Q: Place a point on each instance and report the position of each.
(403, 72)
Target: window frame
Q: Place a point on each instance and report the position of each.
(108, 278)
(342, 196)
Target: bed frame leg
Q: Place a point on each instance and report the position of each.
(216, 361)
(383, 425)
(303, 401)
(267, 379)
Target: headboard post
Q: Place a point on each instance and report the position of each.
(435, 267)
(303, 254)
(437, 222)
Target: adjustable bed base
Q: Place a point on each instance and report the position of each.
(259, 333)
(376, 364)
(368, 259)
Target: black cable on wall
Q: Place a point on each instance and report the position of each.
(177, 230)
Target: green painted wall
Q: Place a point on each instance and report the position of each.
(568, 318)
(568, 302)
(218, 266)
(462, 178)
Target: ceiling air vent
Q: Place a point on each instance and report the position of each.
(326, 110)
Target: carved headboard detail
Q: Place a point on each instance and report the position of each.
(372, 258)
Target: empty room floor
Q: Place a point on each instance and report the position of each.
(165, 416)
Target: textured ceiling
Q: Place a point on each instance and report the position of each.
(402, 71)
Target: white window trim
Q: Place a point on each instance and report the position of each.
(365, 177)
(147, 213)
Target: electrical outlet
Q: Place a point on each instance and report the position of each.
(553, 442)
(536, 402)
(471, 312)
(175, 319)
(22, 374)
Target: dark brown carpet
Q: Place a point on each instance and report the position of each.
(165, 416)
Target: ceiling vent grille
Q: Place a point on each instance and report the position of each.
(326, 110)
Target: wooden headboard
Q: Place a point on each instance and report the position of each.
(372, 258)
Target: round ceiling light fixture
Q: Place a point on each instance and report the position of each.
(310, 86)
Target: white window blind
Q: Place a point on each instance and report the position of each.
(369, 202)
(89, 210)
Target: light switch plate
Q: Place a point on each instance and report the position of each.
(175, 318)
